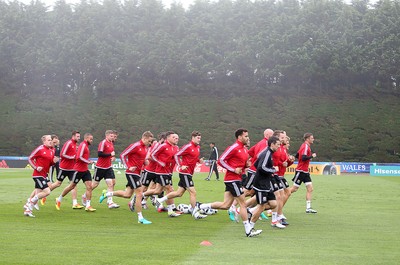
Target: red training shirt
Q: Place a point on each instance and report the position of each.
(68, 155)
(164, 156)
(134, 156)
(107, 148)
(255, 150)
(279, 157)
(188, 156)
(151, 167)
(82, 157)
(233, 157)
(43, 157)
(304, 150)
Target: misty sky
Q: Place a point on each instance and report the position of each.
(185, 3)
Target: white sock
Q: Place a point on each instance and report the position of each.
(110, 193)
(247, 226)
(87, 203)
(252, 224)
(163, 199)
(205, 206)
(170, 208)
(274, 217)
(140, 216)
(35, 199)
(308, 203)
(232, 208)
(74, 202)
(109, 200)
(60, 198)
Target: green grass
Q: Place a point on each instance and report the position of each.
(357, 223)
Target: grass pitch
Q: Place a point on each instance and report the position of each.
(357, 223)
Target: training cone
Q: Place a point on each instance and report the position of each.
(206, 243)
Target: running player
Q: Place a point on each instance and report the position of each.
(82, 172)
(302, 173)
(234, 160)
(186, 159)
(67, 162)
(41, 159)
(264, 191)
(148, 175)
(133, 158)
(163, 155)
(104, 169)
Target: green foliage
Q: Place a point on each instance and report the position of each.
(346, 129)
(112, 45)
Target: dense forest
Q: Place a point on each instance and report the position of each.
(300, 65)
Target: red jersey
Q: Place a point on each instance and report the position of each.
(68, 155)
(302, 165)
(134, 156)
(107, 148)
(164, 156)
(188, 156)
(82, 157)
(151, 167)
(43, 157)
(233, 157)
(255, 150)
(279, 157)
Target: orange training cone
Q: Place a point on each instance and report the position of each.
(206, 243)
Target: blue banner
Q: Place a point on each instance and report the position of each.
(389, 171)
(353, 167)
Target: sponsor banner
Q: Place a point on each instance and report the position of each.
(3, 164)
(390, 171)
(346, 167)
(14, 163)
(13, 157)
(318, 168)
(117, 164)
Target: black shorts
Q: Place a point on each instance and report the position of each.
(276, 183)
(148, 177)
(84, 176)
(264, 196)
(40, 183)
(284, 182)
(101, 173)
(235, 188)
(48, 178)
(65, 173)
(301, 177)
(133, 181)
(249, 180)
(164, 180)
(185, 181)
